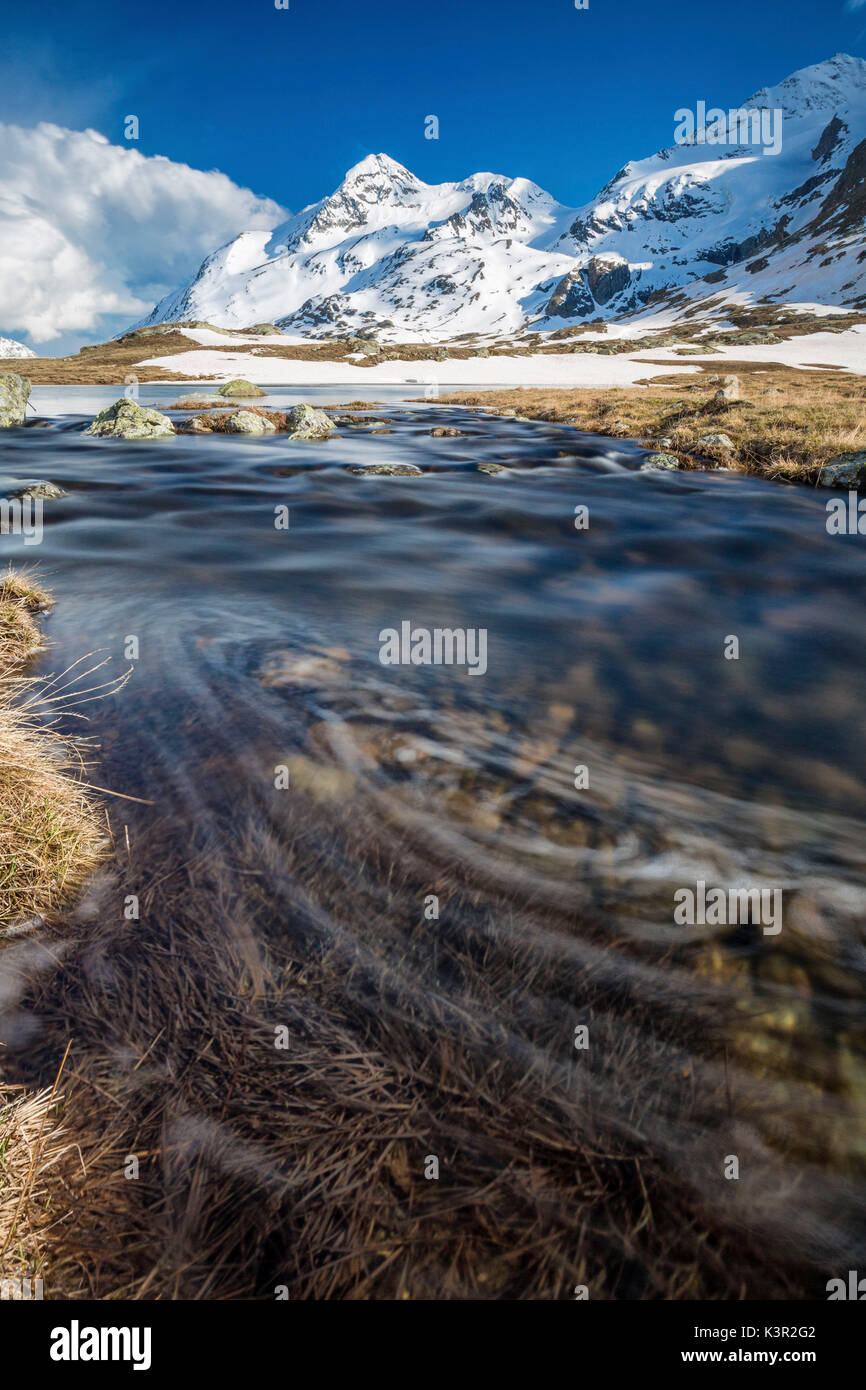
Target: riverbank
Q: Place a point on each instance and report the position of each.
(773, 422)
(51, 835)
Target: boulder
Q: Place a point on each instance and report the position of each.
(305, 422)
(36, 487)
(730, 389)
(14, 395)
(402, 470)
(716, 441)
(239, 387)
(845, 470)
(128, 420)
(248, 422)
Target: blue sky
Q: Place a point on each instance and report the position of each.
(284, 101)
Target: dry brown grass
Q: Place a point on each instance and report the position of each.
(50, 839)
(31, 1142)
(217, 421)
(786, 436)
(48, 832)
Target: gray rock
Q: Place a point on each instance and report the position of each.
(305, 422)
(845, 470)
(36, 487)
(14, 395)
(402, 470)
(716, 441)
(247, 422)
(730, 389)
(657, 462)
(239, 387)
(127, 420)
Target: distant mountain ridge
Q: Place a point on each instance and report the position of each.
(492, 255)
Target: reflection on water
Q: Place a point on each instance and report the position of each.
(258, 649)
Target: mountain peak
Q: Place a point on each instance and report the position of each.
(379, 167)
(835, 81)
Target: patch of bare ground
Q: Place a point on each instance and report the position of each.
(786, 425)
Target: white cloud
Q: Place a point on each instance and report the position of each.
(89, 229)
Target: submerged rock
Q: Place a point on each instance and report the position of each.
(298, 668)
(493, 468)
(845, 470)
(14, 395)
(446, 432)
(305, 422)
(659, 461)
(239, 387)
(127, 420)
(248, 422)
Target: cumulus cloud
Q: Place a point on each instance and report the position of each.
(89, 229)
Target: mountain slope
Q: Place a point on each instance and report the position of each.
(387, 253)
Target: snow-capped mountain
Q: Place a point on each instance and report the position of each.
(10, 348)
(778, 216)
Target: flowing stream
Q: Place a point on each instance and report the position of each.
(258, 649)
